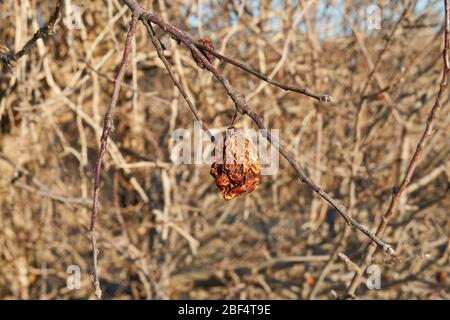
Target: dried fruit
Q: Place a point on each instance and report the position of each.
(236, 166)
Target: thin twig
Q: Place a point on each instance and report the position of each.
(243, 66)
(107, 127)
(43, 33)
(160, 50)
(370, 250)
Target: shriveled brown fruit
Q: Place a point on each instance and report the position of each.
(236, 166)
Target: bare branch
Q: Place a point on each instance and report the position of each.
(160, 50)
(243, 66)
(107, 127)
(43, 33)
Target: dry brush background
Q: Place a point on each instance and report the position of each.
(164, 232)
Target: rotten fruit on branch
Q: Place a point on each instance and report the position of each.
(236, 166)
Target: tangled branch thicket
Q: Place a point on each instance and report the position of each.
(162, 229)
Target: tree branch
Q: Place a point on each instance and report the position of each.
(107, 128)
(43, 33)
(304, 91)
(160, 50)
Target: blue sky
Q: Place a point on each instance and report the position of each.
(332, 12)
